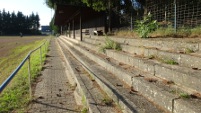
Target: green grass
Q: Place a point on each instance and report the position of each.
(15, 97)
(184, 95)
(10, 62)
(182, 32)
(187, 50)
(84, 110)
(170, 61)
(110, 44)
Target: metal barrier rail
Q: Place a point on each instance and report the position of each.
(7, 81)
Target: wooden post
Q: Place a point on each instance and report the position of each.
(80, 24)
(69, 29)
(73, 29)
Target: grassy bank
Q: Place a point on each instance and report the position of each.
(182, 32)
(15, 97)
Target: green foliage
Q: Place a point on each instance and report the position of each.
(196, 31)
(181, 32)
(184, 95)
(52, 3)
(110, 44)
(188, 50)
(146, 26)
(84, 110)
(107, 101)
(55, 28)
(98, 5)
(170, 61)
(14, 23)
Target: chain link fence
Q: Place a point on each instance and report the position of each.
(176, 13)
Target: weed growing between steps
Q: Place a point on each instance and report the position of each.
(110, 44)
(184, 95)
(188, 51)
(107, 101)
(15, 97)
(84, 110)
(164, 60)
(169, 61)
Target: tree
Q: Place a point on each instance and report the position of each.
(0, 23)
(55, 28)
(13, 24)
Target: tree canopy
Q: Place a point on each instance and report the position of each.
(15, 23)
(98, 5)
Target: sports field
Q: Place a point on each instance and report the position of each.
(13, 50)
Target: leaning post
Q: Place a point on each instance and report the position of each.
(29, 71)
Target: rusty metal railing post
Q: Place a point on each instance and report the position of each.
(41, 56)
(29, 71)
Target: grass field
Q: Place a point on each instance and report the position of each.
(12, 51)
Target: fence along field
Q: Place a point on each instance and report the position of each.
(13, 50)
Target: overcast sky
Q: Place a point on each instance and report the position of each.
(27, 7)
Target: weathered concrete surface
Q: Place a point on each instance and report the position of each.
(111, 67)
(129, 102)
(179, 75)
(185, 77)
(53, 93)
(146, 48)
(176, 44)
(87, 89)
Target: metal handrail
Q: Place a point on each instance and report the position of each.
(7, 81)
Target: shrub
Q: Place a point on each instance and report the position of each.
(110, 44)
(146, 26)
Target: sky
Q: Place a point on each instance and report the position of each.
(27, 7)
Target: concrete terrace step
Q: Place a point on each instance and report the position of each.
(176, 44)
(188, 60)
(87, 92)
(120, 92)
(154, 92)
(187, 78)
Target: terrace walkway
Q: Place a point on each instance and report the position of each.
(53, 93)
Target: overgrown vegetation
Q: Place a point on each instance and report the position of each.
(169, 61)
(163, 32)
(84, 110)
(182, 32)
(15, 97)
(187, 50)
(110, 44)
(126, 33)
(107, 101)
(146, 26)
(164, 60)
(184, 95)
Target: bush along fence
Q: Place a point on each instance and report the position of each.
(16, 90)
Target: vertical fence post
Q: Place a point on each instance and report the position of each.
(41, 56)
(46, 46)
(175, 15)
(29, 71)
